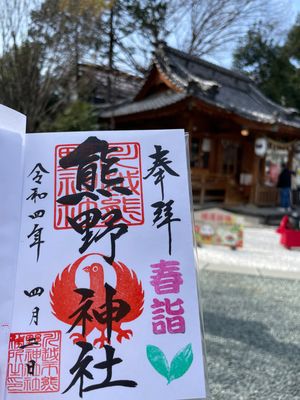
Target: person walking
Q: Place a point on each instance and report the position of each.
(284, 184)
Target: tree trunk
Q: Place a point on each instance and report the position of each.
(110, 94)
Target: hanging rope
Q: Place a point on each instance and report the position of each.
(282, 145)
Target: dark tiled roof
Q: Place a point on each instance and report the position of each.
(123, 85)
(154, 102)
(212, 84)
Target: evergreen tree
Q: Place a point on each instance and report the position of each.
(71, 31)
(26, 85)
(78, 116)
(292, 45)
(270, 67)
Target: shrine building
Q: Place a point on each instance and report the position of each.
(238, 137)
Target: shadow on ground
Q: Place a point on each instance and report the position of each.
(251, 333)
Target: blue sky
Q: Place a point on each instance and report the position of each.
(225, 59)
(296, 5)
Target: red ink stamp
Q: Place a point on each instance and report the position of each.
(128, 167)
(34, 362)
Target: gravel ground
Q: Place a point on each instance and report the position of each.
(261, 250)
(252, 335)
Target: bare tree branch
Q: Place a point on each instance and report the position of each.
(203, 27)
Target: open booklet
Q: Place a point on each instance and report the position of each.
(12, 138)
(98, 264)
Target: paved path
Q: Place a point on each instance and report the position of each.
(252, 327)
(261, 255)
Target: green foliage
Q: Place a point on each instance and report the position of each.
(79, 7)
(130, 29)
(78, 116)
(150, 17)
(70, 31)
(270, 66)
(112, 33)
(26, 85)
(255, 54)
(292, 45)
(40, 72)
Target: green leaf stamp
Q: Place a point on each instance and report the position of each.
(179, 365)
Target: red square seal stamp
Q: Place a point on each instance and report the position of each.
(34, 362)
(128, 168)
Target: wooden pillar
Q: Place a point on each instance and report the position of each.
(219, 152)
(255, 177)
(290, 158)
(189, 128)
(213, 155)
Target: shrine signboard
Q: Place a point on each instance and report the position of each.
(219, 227)
(105, 290)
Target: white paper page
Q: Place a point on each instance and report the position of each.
(11, 150)
(157, 344)
(11, 120)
